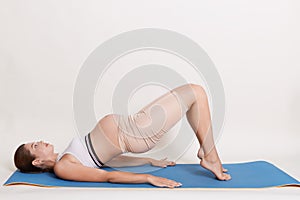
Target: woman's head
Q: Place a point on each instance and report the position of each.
(35, 157)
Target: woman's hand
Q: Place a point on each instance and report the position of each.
(162, 182)
(162, 163)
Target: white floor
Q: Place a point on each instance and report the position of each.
(66, 193)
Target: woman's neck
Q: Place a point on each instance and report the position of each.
(51, 162)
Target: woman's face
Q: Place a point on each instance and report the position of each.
(41, 150)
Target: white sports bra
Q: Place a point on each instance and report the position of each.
(78, 148)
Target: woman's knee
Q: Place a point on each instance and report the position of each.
(198, 90)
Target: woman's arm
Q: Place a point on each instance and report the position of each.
(77, 172)
(124, 161)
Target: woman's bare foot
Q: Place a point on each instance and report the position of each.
(212, 163)
(215, 167)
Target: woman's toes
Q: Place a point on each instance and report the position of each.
(225, 170)
(227, 177)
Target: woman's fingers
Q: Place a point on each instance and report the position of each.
(162, 162)
(164, 182)
(167, 163)
(170, 183)
(172, 163)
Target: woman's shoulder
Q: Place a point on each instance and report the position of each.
(67, 158)
(64, 163)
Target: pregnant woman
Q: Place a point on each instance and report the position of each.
(116, 134)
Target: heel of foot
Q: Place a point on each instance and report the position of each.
(200, 154)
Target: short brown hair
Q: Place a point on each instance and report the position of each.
(23, 161)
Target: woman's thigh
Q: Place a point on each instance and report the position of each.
(141, 131)
(165, 111)
(104, 138)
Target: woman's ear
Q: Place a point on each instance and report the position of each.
(37, 162)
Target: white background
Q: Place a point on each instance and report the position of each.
(255, 46)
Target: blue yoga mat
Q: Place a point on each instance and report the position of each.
(257, 174)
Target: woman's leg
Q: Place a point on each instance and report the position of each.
(199, 118)
(141, 131)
